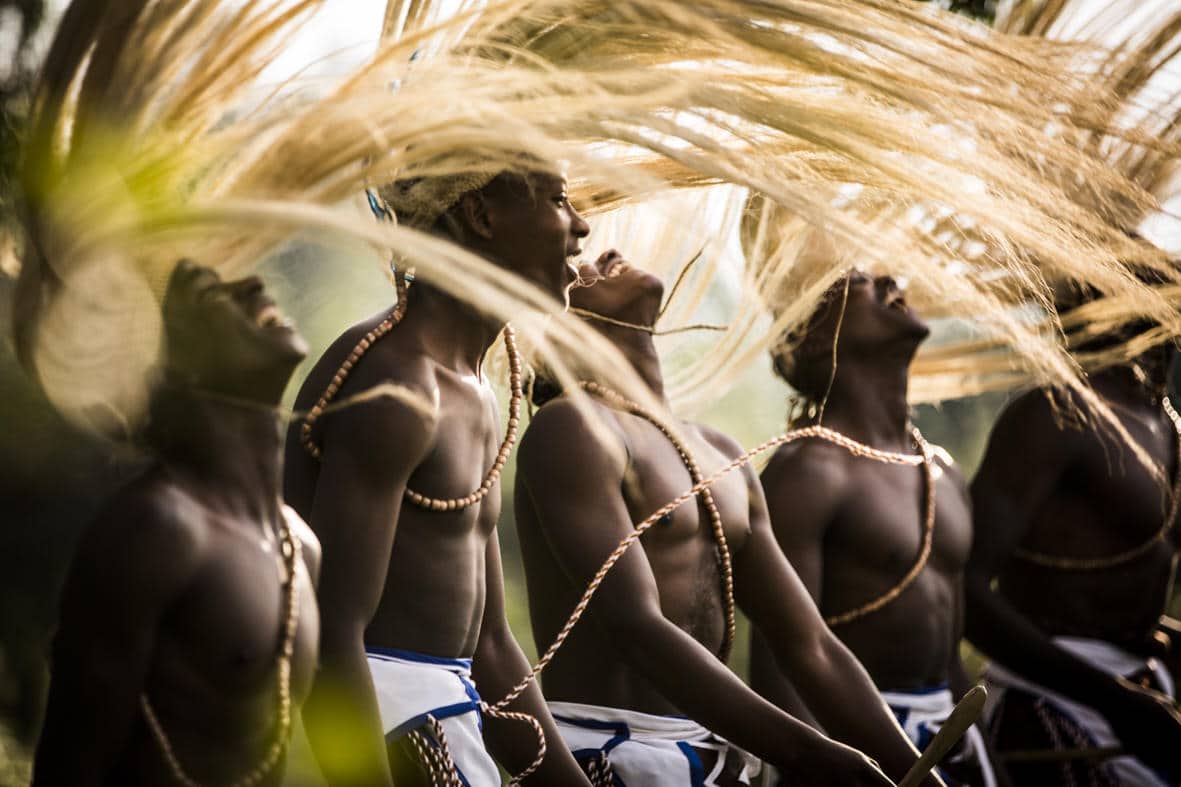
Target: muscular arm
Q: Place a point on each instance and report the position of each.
(583, 516)
(1026, 456)
(798, 516)
(369, 454)
(825, 673)
(136, 559)
(497, 666)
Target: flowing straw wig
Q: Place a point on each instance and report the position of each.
(153, 138)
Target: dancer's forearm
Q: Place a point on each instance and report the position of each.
(498, 664)
(706, 690)
(844, 699)
(343, 708)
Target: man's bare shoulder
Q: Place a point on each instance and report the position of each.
(807, 484)
(389, 359)
(1040, 422)
(388, 407)
(563, 431)
(727, 445)
(816, 464)
(151, 535)
(1044, 410)
(309, 543)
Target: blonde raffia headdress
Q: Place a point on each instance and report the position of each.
(1003, 326)
(420, 202)
(152, 139)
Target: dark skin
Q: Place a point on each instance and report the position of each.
(176, 589)
(654, 629)
(1060, 490)
(852, 527)
(437, 590)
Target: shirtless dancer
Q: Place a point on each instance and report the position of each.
(854, 528)
(656, 638)
(184, 645)
(412, 596)
(1073, 529)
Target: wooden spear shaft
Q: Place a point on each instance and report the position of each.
(966, 711)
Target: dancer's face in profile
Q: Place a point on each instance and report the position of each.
(528, 224)
(227, 337)
(872, 319)
(613, 287)
(874, 312)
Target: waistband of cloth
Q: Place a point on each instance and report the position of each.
(599, 717)
(410, 689)
(934, 699)
(1101, 655)
(458, 666)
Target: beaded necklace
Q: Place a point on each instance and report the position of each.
(438, 760)
(1127, 556)
(367, 341)
(291, 548)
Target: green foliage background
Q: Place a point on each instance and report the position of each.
(53, 479)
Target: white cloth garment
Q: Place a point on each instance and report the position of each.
(921, 713)
(646, 750)
(411, 686)
(1110, 659)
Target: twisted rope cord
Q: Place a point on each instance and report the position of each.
(291, 547)
(1066, 769)
(532, 721)
(650, 329)
(924, 550)
(1127, 556)
(707, 500)
(354, 357)
(817, 432)
(599, 771)
(437, 760)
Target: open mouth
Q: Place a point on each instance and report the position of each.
(269, 316)
(614, 267)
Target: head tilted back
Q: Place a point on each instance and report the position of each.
(802, 273)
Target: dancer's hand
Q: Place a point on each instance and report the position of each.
(840, 766)
(1148, 724)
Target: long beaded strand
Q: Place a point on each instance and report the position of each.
(367, 341)
(1098, 563)
(291, 546)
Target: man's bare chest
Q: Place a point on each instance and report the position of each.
(465, 444)
(224, 633)
(881, 525)
(1107, 502)
(657, 474)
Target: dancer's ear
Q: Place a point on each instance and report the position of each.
(473, 212)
